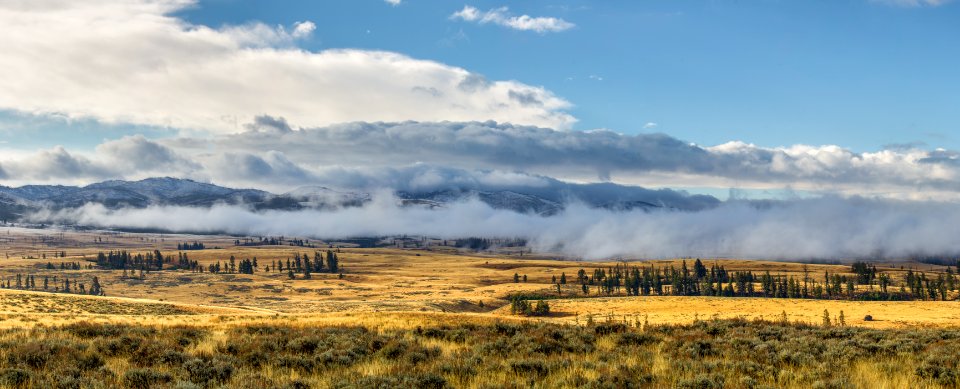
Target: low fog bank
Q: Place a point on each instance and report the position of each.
(830, 227)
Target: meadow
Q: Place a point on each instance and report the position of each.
(428, 314)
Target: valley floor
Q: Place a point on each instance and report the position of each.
(441, 314)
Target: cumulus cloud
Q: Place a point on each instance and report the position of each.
(393, 2)
(502, 17)
(247, 169)
(56, 163)
(646, 159)
(303, 29)
(136, 61)
(797, 229)
(138, 154)
(275, 154)
(127, 157)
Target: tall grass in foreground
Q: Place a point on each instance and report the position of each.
(705, 354)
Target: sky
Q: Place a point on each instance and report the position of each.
(859, 73)
(850, 97)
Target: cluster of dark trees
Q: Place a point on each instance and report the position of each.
(302, 264)
(300, 243)
(272, 241)
(520, 306)
(67, 266)
(156, 261)
(190, 246)
(480, 244)
(717, 281)
(929, 288)
(149, 261)
(245, 266)
(54, 284)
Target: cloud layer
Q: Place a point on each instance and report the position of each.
(136, 62)
(798, 229)
(276, 155)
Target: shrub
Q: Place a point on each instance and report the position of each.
(868, 318)
(145, 378)
(530, 366)
(33, 354)
(14, 377)
(636, 339)
(609, 328)
(940, 369)
(89, 361)
(204, 372)
(424, 381)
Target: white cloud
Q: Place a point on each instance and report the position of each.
(649, 125)
(303, 29)
(393, 2)
(502, 17)
(275, 153)
(135, 61)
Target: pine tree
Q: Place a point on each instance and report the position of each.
(332, 261)
(826, 318)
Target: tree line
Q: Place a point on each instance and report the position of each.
(717, 281)
(54, 284)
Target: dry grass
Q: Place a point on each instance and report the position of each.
(377, 281)
(402, 295)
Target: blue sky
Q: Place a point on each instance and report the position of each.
(857, 73)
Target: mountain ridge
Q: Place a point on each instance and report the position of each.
(185, 192)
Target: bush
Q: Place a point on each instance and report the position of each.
(530, 366)
(14, 377)
(33, 354)
(636, 339)
(89, 361)
(868, 318)
(205, 372)
(145, 378)
(940, 369)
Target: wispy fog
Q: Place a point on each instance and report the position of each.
(797, 229)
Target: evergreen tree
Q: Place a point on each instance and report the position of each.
(332, 262)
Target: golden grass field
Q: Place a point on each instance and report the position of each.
(395, 292)
(438, 280)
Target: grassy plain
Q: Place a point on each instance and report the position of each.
(438, 279)
(437, 316)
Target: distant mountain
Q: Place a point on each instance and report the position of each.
(151, 191)
(543, 200)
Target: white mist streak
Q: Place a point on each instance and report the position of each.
(798, 229)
